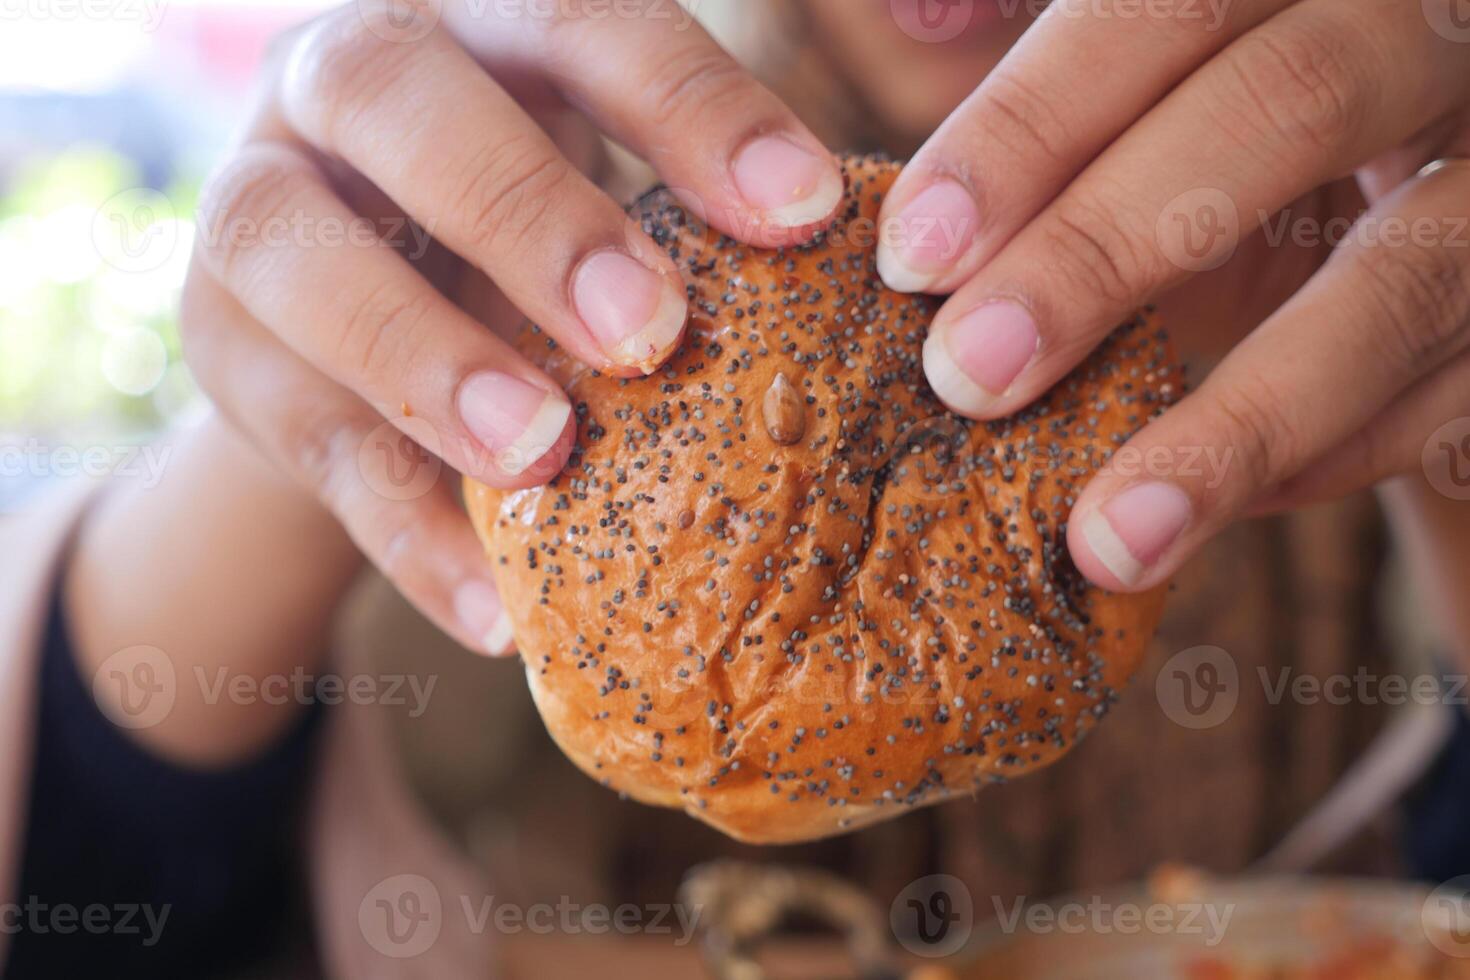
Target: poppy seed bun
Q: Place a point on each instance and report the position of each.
(781, 586)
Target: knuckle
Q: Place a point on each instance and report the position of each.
(1254, 418)
(1096, 250)
(336, 67)
(1378, 452)
(510, 191)
(1419, 304)
(392, 533)
(1303, 84)
(1022, 118)
(319, 449)
(696, 83)
(396, 557)
(377, 331)
(258, 185)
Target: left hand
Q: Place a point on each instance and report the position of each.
(1109, 158)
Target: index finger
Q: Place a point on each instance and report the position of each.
(653, 79)
(1291, 106)
(1034, 123)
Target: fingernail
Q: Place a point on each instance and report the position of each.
(972, 361)
(636, 314)
(931, 232)
(518, 421)
(479, 608)
(790, 183)
(1131, 531)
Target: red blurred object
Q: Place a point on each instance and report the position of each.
(225, 43)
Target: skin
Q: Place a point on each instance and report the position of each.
(1074, 182)
(326, 364)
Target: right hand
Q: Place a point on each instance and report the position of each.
(308, 339)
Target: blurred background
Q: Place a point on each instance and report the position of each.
(111, 114)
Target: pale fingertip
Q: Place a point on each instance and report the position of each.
(1109, 549)
(790, 185)
(519, 421)
(634, 312)
(482, 614)
(819, 205)
(924, 240)
(949, 381)
(1129, 533)
(652, 345)
(900, 277)
(540, 436)
(500, 640)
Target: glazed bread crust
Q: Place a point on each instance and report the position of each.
(780, 586)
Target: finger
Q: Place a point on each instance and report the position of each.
(654, 80)
(1294, 103)
(1391, 306)
(276, 237)
(405, 520)
(1392, 443)
(425, 123)
(471, 292)
(1034, 123)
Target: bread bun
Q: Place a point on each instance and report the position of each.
(780, 586)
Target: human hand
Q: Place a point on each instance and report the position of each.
(381, 131)
(1060, 196)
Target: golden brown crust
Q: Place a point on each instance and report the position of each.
(792, 636)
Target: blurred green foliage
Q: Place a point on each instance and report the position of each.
(88, 332)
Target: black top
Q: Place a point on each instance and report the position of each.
(137, 868)
(134, 867)
(1436, 829)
